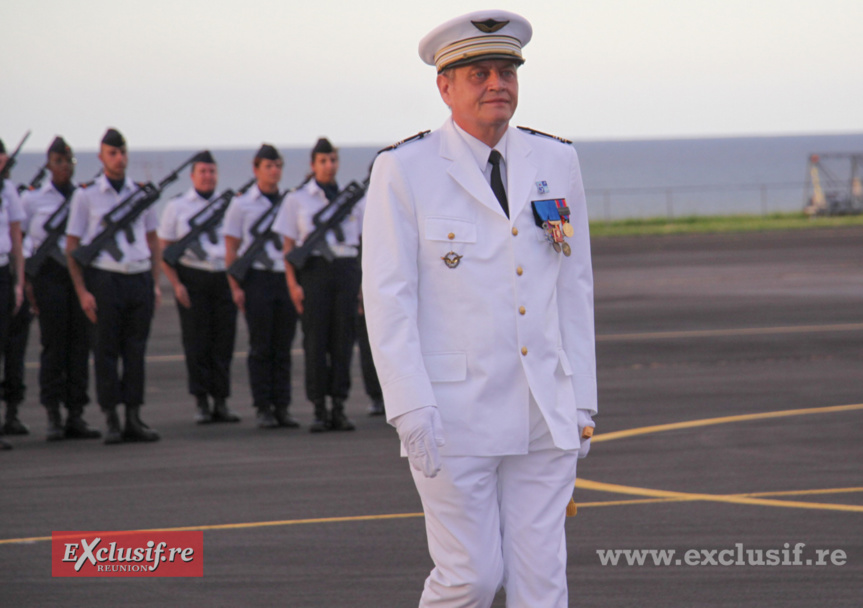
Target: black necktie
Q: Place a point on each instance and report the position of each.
(496, 182)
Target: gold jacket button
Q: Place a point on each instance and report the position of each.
(514, 231)
(519, 271)
(524, 350)
(450, 236)
(521, 310)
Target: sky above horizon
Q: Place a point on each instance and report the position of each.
(228, 74)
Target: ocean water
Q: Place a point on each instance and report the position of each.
(646, 178)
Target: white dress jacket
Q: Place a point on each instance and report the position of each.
(514, 317)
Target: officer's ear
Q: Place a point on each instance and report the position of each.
(444, 86)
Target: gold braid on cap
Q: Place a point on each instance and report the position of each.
(477, 47)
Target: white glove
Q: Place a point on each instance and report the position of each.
(584, 421)
(421, 432)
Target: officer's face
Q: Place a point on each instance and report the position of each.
(269, 174)
(62, 167)
(114, 161)
(325, 167)
(204, 176)
(481, 95)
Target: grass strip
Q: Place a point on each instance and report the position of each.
(719, 224)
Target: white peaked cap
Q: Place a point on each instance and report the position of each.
(476, 36)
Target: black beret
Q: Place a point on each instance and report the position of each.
(2, 147)
(204, 157)
(323, 147)
(59, 146)
(113, 138)
(268, 152)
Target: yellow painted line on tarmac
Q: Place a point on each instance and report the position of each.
(257, 524)
(647, 430)
(586, 484)
(739, 331)
(748, 499)
(646, 501)
(650, 495)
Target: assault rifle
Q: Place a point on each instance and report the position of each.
(121, 218)
(328, 219)
(261, 234)
(10, 161)
(204, 221)
(36, 181)
(54, 227)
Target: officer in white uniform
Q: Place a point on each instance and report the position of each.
(478, 294)
(11, 257)
(64, 330)
(208, 315)
(324, 292)
(263, 296)
(118, 296)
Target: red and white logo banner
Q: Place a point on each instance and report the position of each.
(127, 553)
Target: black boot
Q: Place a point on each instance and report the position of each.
(135, 429)
(322, 422)
(377, 407)
(4, 445)
(284, 418)
(113, 435)
(203, 415)
(340, 422)
(222, 413)
(77, 427)
(14, 426)
(55, 423)
(265, 417)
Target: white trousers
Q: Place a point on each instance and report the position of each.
(495, 521)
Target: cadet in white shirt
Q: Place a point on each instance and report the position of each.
(11, 257)
(263, 296)
(208, 315)
(64, 329)
(118, 296)
(325, 293)
(478, 293)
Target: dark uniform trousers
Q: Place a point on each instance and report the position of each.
(367, 364)
(125, 305)
(209, 329)
(64, 328)
(13, 387)
(272, 322)
(7, 304)
(14, 331)
(329, 324)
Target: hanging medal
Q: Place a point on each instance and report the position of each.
(552, 216)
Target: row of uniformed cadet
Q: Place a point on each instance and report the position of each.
(63, 372)
(113, 300)
(11, 259)
(325, 292)
(208, 315)
(118, 295)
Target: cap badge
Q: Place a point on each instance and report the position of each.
(452, 259)
(489, 26)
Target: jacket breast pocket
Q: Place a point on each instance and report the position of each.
(446, 367)
(450, 230)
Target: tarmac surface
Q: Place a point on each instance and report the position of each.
(690, 328)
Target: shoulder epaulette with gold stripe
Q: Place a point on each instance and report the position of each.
(549, 135)
(418, 136)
